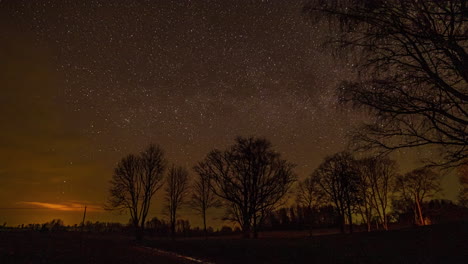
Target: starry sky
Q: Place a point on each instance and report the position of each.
(84, 83)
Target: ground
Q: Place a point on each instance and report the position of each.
(431, 244)
(74, 247)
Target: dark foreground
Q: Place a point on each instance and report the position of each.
(432, 244)
(74, 247)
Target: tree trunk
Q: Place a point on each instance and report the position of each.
(310, 220)
(204, 224)
(385, 223)
(173, 225)
(350, 219)
(137, 229)
(343, 222)
(421, 218)
(138, 233)
(173, 229)
(246, 231)
(368, 218)
(255, 231)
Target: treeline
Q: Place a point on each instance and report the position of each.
(250, 180)
(293, 218)
(372, 191)
(57, 225)
(437, 211)
(154, 228)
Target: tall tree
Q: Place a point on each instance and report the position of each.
(364, 205)
(378, 174)
(153, 165)
(175, 193)
(412, 61)
(382, 183)
(134, 182)
(339, 179)
(418, 185)
(203, 197)
(251, 177)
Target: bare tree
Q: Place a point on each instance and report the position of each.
(378, 175)
(309, 192)
(382, 183)
(310, 196)
(418, 185)
(364, 205)
(339, 179)
(412, 66)
(136, 179)
(203, 197)
(251, 178)
(175, 193)
(153, 165)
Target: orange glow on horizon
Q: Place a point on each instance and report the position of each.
(72, 206)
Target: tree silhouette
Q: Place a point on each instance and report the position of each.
(134, 182)
(251, 177)
(412, 61)
(309, 192)
(378, 176)
(339, 179)
(203, 197)
(310, 196)
(175, 193)
(418, 185)
(364, 205)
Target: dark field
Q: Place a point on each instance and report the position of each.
(432, 244)
(73, 247)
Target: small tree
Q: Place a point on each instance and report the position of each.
(378, 176)
(310, 196)
(251, 177)
(364, 205)
(203, 197)
(136, 179)
(418, 185)
(339, 179)
(309, 192)
(176, 192)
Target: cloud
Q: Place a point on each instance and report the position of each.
(66, 206)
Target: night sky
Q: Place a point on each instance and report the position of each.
(84, 83)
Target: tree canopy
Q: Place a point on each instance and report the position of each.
(251, 178)
(412, 64)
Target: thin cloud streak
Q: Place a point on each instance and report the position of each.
(73, 206)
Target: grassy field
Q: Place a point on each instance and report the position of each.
(431, 244)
